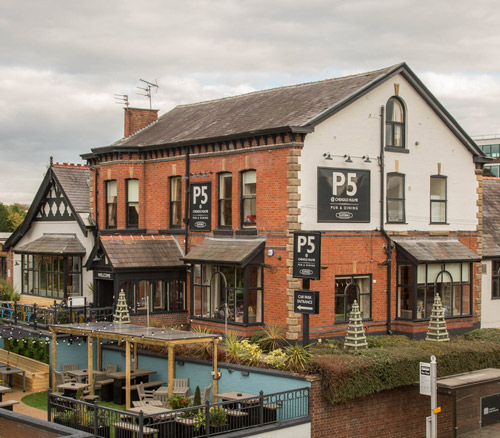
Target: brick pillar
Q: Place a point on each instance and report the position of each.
(293, 319)
(137, 119)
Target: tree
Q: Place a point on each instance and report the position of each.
(4, 214)
(11, 216)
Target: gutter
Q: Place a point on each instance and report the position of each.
(389, 246)
(186, 202)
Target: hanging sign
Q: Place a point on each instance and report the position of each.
(200, 209)
(307, 255)
(343, 195)
(306, 301)
(425, 378)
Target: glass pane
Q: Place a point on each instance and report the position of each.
(454, 270)
(432, 272)
(249, 183)
(255, 277)
(351, 295)
(240, 308)
(339, 308)
(438, 212)
(405, 302)
(421, 298)
(395, 211)
(176, 296)
(111, 191)
(112, 214)
(395, 187)
(176, 213)
(495, 171)
(175, 189)
(404, 274)
(465, 272)
(133, 215)
(225, 186)
(397, 113)
(141, 294)
(444, 288)
(226, 215)
(398, 135)
(133, 190)
(421, 274)
(438, 188)
(495, 150)
(197, 301)
(487, 149)
(364, 306)
(388, 135)
(249, 211)
(254, 306)
(457, 300)
(157, 290)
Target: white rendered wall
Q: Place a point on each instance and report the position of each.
(38, 229)
(490, 309)
(355, 130)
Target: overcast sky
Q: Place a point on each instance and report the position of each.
(62, 61)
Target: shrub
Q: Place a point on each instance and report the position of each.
(34, 348)
(197, 397)
(277, 359)
(272, 338)
(178, 401)
(297, 357)
(248, 353)
(257, 336)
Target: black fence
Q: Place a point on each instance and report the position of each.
(281, 409)
(40, 317)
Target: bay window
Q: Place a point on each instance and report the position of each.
(160, 295)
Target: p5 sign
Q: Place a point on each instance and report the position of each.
(307, 255)
(200, 208)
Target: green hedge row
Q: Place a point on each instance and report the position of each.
(34, 348)
(393, 361)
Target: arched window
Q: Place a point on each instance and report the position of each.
(395, 123)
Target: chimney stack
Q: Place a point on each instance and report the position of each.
(138, 118)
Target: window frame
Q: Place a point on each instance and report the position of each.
(439, 201)
(389, 124)
(221, 201)
(128, 203)
(244, 197)
(402, 200)
(110, 204)
(173, 202)
(344, 295)
(208, 288)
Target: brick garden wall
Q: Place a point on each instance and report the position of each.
(396, 413)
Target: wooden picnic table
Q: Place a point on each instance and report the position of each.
(3, 390)
(234, 396)
(70, 389)
(82, 375)
(137, 376)
(10, 371)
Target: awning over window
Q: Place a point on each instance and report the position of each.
(53, 244)
(434, 250)
(127, 253)
(237, 252)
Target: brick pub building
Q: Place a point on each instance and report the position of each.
(196, 210)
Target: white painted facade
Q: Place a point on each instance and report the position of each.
(37, 230)
(355, 130)
(490, 309)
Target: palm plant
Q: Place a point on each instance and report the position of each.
(272, 338)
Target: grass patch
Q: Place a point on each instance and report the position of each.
(38, 400)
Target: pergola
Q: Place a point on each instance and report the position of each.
(131, 335)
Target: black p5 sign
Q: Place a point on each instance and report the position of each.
(307, 255)
(200, 210)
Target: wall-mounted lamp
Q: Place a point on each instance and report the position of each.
(245, 373)
(347, 158)
(17, 263)
(327, 156)
(366, 159)
(270, 252)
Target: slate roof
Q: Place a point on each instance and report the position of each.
(432, 250)
(225, 251)
(125, 253)
(75, 184)
(53, 244)
(491, 215)
(290, 106)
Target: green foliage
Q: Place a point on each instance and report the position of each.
(277, 359)
(257, 336)
(248, 353)
(217, 417)
(11, 216)
(232, 346)
(272, 338)
(8, 292)
(178, 401)
(297, 357)
(197, 397)
(34, 348)
(36, 400)
(393, 361)
(204, 350)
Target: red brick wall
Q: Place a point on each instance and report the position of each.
(137, 118)
(396, 413)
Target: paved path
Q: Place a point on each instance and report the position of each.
(492, 431)
(21, 408)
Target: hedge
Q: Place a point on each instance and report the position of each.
(393, 361)
(34, 348)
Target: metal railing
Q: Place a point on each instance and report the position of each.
(211, 419)
(41, 317)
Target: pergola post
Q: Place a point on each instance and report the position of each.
(90, 364)
(54, 361)
(99, 354)
(215, 381)
(127, 374)
(135, 356)
(171, 369)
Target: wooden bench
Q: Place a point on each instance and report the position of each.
(237, 419)
(125, 429)
(8, 404)
(37, 373)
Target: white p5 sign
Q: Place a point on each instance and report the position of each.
(339, 180)
(306, 240)
(200, 191)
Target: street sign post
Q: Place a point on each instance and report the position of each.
(428, 386)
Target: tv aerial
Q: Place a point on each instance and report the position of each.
(122, 99)
(147, 89)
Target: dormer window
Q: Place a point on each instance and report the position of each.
(395, 124)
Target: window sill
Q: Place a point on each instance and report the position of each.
(396, 149)
(439, 223)
(396, 223)
(223, 232)
(246, 232)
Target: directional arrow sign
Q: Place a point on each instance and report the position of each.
(306, 301)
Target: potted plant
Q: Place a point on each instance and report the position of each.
(178, 401)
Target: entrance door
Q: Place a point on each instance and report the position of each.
(105, 293)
